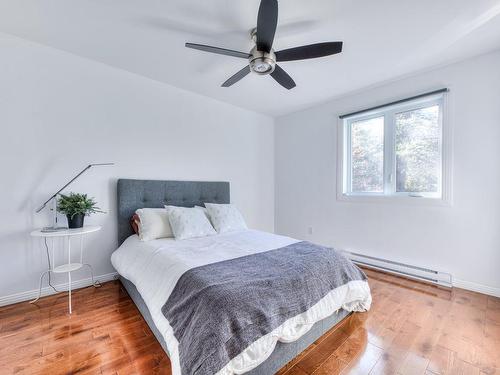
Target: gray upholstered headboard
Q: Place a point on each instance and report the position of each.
(135, 194)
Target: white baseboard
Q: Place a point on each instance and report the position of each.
(480, 288)
(46, 291)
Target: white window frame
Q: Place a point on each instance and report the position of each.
(344, 192)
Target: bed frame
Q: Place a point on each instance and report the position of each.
(135, 194)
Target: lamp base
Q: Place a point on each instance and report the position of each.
(53, 229)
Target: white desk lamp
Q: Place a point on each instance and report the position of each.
(53, 198)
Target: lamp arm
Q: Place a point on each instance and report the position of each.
(69, 182)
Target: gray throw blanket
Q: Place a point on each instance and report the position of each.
(219, 309)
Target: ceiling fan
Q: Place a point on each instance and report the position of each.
(262, 59)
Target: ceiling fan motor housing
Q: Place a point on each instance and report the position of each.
(261, 62)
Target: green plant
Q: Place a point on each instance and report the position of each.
(74, 204)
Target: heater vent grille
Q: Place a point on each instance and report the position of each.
(398, 268)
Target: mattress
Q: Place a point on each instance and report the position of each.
(153, 269)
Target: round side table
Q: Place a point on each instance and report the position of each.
(65, 267)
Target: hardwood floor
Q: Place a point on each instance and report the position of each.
(412, 328)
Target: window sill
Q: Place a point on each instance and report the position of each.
(394, 199)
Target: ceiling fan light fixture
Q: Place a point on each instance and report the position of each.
(262, 58)
(262, 63)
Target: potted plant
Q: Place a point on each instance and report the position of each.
(75, 207)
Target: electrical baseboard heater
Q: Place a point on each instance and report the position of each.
(407, 270)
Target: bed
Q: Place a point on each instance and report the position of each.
(150, 271)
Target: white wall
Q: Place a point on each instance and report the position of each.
(59, 112)
(463, 239)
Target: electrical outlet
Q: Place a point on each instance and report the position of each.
(310, 230)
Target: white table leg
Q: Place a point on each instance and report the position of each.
(53, 260)
(69, 273)
(81, 249)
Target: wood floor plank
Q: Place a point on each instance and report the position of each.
(412, 328)
(414, 364)
(313, 360)
(365, 361)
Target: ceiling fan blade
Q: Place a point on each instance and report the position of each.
(283, 78)
(310, 51)
(236, 77)
(266, 24)
(220, 51)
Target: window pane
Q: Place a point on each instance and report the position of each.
(418, 164)
(367, 156)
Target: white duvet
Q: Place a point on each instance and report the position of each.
(155, 266)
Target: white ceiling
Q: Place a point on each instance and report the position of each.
(383, 40)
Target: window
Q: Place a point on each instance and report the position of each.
(394, 150)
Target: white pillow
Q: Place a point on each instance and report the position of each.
(205, 211)
(189, 222)
(225, 217)
(153, 224)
